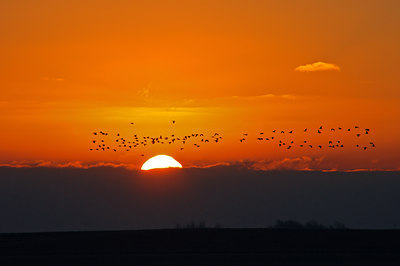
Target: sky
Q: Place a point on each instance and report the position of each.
(71, 68)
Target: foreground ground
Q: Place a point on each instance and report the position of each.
(203, 247)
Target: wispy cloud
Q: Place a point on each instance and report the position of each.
(317, 66)
(265, 96)
(303, 163)
(53, 79)
(74, 164)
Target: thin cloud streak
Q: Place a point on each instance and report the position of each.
(75, 164)
(53, 79)
(303, 163)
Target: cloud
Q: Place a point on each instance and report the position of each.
(53, 79)
(71, 199)
(317, 66)
(266, 96)
(302, 163)
(75, 164)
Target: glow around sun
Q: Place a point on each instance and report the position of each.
(161, 161)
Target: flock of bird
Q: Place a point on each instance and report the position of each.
(330, 144)
(278, 137)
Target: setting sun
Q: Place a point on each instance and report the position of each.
(161, 161)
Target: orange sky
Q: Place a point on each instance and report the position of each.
(68, 69)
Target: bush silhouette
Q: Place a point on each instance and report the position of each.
(310, 225)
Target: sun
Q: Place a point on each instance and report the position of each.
(161, 161)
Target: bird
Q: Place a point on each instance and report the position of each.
(173, 121)
(372, 144)
(305, 130)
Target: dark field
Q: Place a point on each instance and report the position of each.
(203, 247)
